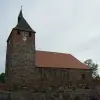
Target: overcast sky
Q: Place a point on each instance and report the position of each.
(68, 26)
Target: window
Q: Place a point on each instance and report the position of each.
(18, 32)
(9, 42)
(83, 76)
(30, 34)
(24, 34)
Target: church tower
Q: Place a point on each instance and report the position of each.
(20, 55)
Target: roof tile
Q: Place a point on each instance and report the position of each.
(58, 60)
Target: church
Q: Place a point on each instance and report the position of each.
(31, 69)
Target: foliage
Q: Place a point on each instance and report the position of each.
(93, 66)
(2, 77)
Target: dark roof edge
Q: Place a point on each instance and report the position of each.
(24, 29)
(64, 68)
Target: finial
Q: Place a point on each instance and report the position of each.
(21, 7)
(20, 14)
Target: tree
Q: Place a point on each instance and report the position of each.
(2, 77)
(93, 66)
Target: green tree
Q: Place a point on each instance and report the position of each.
(2, 77)
(93, 66)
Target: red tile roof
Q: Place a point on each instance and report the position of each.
(58, 60)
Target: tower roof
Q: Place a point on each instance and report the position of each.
(22, 23)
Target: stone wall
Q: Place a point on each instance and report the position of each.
(20, 61)
(53, 94)
(69, 77)
(5, 95)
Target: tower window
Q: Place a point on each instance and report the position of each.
(8, 41)
(30, 34)
(18, 32)
(24, 34)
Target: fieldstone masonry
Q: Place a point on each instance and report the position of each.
(22, 66)
(49, 94)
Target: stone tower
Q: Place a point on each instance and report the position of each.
(20, 56)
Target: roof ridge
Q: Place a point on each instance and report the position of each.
(53, 52)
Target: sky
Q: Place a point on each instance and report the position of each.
(67, 26)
